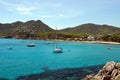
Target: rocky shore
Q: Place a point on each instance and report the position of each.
(111, 71)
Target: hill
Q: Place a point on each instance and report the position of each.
(26, 27)
(37, 26)
(93, 29)
(9, 27)
(39, 30)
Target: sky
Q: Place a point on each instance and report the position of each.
(61, 13)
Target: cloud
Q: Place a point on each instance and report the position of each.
(47, 16)
(44, 9)
(61, 15)
(24, 10)
(5, 3)
(19, 8)
(53, 5)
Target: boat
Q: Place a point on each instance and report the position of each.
(48, 42)
(31, 45)
(10, 47)
(57, 49)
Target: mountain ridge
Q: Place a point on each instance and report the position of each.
(91, 28)
(38, 26)
(24, 26)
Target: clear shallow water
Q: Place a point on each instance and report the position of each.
(23, 60)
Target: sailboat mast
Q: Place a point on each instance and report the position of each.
(30, 34)
(57, 49)
(56, 37)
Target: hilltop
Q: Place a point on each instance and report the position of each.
(23, 28)
(31, 25)
(91, 28)
(39, 26)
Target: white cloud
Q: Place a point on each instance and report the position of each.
(61, 15)
(47, 16)
(24, 10)
(5, 3)
(70, 15)
(54, 5)
(19, 8)
(43, 9)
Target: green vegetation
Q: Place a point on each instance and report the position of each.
(38, 30)
(93, 29)
(113, 38)
(72, 36)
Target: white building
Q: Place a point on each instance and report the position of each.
(91, 38)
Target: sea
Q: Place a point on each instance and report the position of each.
(16, 59)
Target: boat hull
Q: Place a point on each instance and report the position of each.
(31, 45)
(57, 50)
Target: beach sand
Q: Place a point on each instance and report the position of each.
(101, 42)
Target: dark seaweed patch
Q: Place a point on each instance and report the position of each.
(63, 74)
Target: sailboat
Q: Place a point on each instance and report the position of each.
(30, 44)
(57, 49)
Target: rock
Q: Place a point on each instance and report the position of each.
(109, 66)
(105, 78)
(117, 77)
(111, 71)
(88, 77)
(114, 73)
(117, 65)
(97, 77)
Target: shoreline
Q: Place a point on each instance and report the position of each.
(101, 42)
(94, 42)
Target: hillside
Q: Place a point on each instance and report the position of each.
(93, 29)
(35, 26)
(9, 27)
(39, 30)
(39, 26)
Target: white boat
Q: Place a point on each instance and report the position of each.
(31, 45)
(57, 49)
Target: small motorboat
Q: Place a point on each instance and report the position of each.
(31, 45)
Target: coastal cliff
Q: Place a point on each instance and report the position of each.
(111, 71)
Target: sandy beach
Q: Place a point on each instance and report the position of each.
(101, 42)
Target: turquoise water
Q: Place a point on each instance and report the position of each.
(23, 60)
